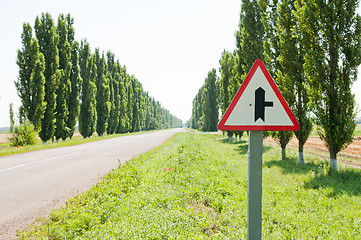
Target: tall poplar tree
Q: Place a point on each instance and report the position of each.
(234, 85)
(38, 89)
(210, 109)
(271, 52)
(292, 76)
(102, 94)
(205, 106)
(113, 119)
(223, 84)
(61, 106)
(30, 82)
(197, 110)
(332, 38)
(64, 86)
(87, 115)
(249, 37)
(75, 90)
(137, 104)
(122, 98)
(75, 80)
(130, 97)
(225, 69)
(12, 118)
(45, 32)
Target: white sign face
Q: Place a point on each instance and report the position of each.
(258, 105)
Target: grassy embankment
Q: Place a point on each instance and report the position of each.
(195, 187)
(7, 149)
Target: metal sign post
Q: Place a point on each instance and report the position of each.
(254, 220)
(258, 106)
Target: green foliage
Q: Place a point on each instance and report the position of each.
(223, 84)
(12, 117)
(211, 106)
(292, 77)
(38, 86)
(30, 83)
(230, 81)
(74, 95)
(87, 107)
(195, 187)
(102, 94)
(23, 135)
(272, 53)
(271, 40)
(61, 110)
(60, 83)
(64, 84)
(249, 37)
(205, 105)
(122, 100)
(282, 138)
(113, 94)
(45, 31)
(137, 104)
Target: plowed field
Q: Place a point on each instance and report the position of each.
(353, 151)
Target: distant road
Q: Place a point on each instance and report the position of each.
(31, 184)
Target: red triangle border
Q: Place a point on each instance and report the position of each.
(223, 127)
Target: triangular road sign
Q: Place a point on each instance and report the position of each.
(258, 105)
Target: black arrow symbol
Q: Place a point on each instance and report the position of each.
(261, 104)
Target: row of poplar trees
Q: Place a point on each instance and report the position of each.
(205, 105)
(312, 49)
(61, 82)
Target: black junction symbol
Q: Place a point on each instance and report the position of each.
(260, 104)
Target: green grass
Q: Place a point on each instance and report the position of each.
(195, 187)
(358, 130)
(6, 148)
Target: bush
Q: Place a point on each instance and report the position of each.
(24, 134)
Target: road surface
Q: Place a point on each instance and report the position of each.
(31, 184)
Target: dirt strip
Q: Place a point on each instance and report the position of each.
(315, 143)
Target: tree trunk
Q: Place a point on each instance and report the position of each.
(300, 153)
(284, 153)
(240, 136)
(230, 135)
(333, 159)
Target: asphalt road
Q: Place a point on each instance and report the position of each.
(31, 184)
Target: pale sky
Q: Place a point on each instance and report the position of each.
(169, 46)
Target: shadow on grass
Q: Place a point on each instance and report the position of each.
(345, 181)
(290, 165)
(225, 140)
(243, 146)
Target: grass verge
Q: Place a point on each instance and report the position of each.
(358, 130)
(195, 187)
(6, 148)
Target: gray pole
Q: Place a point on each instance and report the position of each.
(254, 221)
